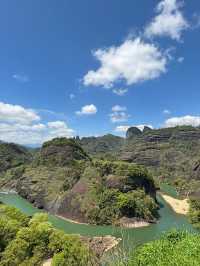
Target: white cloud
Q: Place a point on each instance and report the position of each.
(90, 109)
(125, 128)
(166, 112)
(180, 59)
(187, 120)
(141, 127)
(34, 134)
(21, 126)
(21, 78)
(59, 129)
(17, 113)
(169, 21)
(118, 108)
(117, 117)
(121, 128)
(133, 61)
(119, 91)
(119, 114)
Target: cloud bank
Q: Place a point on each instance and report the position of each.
(23, 126)
(187, 120)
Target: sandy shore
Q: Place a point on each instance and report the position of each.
(132, 223)
(179, 206)
(69, 220)
(135, 225)
(125, 224)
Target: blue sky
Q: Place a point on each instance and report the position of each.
(95, 67)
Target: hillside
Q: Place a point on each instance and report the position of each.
(12, 155)
(108, 144)
(64, 180)
(173, 248)
(171, 154)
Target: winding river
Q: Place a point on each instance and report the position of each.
(130, 237)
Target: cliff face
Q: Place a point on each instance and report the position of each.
(171, 152)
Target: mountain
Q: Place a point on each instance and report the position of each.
(13, 155)
(69, 178)
(108, 144)
(63, 179)
(170, 152)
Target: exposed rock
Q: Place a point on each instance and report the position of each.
(126, 222)
(102, 244)
(168, 151)
(133, 132)
(146, 129)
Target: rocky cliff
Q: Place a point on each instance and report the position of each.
(172, 152)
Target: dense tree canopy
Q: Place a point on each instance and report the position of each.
(28, 242)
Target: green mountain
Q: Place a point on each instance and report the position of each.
(12, 155)
(63, 179)
(106, 145)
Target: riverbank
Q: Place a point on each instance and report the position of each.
(130, 236)
(70, 220)
(179, 206)
(99, 244)
(124, 222)
(132, 223)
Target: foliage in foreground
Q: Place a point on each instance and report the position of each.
(28, 242)
(174, 248)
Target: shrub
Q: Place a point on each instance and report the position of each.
(174, 248)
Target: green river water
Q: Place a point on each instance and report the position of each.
(130, 237)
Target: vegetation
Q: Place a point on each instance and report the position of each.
(64, 180)
(174, 248)
(29, 241)
(194, 212)
(12, 155)
(106, 146)
(111, 205)
(124, 190)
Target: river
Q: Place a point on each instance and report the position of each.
(130, 237)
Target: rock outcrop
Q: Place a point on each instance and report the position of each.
(133, 132)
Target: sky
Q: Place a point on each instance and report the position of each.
(94, 67)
